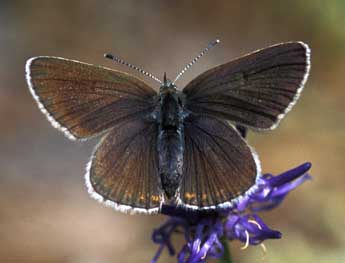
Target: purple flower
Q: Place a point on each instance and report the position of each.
(204, 231)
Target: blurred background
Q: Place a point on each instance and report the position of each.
(46, 214)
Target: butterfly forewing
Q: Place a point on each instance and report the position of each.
(123, 170)
(218, 166)
(83, 100)
(256, 90)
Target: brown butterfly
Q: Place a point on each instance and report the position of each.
(171, 147)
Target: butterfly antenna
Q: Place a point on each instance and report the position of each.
(203, 52)
(119, 60)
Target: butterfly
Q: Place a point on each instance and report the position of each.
(178, 147)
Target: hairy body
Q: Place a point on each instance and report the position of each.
(170, 143)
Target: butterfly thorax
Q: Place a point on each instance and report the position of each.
(170, 144)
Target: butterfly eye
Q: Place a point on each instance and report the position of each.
(167, 86)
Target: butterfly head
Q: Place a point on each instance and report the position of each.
(167, 86)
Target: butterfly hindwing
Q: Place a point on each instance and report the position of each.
(83, 100)
(123, 171)
(218, 166)
(256, 90)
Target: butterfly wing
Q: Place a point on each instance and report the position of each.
(83, 100)
(219, 166)
(123, 171)
(256, 90)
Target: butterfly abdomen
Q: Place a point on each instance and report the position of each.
(170, 144)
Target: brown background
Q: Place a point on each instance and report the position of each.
(45, 212)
